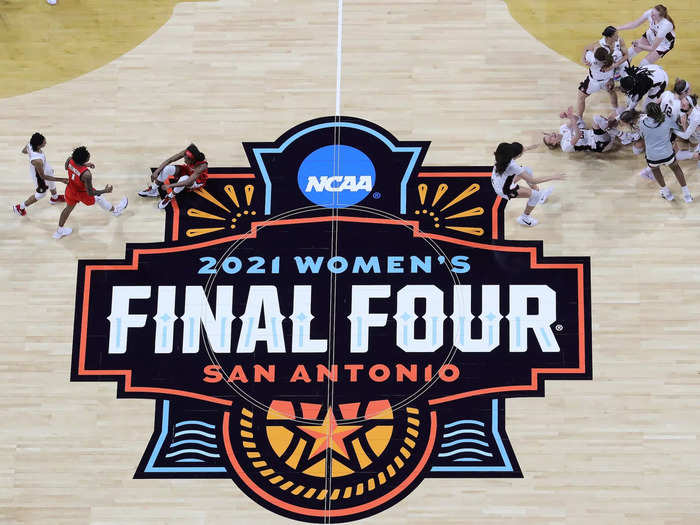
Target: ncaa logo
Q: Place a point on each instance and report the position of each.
(336, 176)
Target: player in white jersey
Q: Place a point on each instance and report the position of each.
(41, 174)
(600, 76)
(690, 122)
(658, 40)
(507, 173)
(649, 81)
(574, 136)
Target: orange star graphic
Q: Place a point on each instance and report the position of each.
(329, 435)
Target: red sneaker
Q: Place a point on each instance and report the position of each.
(18, 210)
(57, 199)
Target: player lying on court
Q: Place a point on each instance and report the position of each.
(507, 173)
(169, 180)
(80, 189)
(658, 39)
(656, 132)
(574, 136)
(41, 174)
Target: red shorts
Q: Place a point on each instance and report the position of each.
(74, 197)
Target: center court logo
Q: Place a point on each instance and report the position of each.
(336, 176)
(336, 323)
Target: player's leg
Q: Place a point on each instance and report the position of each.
(680, 177)
(651, 58)
(107, 206)
(172, 193)
(533, 198)
(664, 191)
(62, 230)
(581, 97)
(156, 182)
(632, 52)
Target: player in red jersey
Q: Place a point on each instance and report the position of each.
(41, 174)
(172, 179)
(80, 189)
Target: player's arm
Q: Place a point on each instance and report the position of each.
(86, 177)
(39, 167)
(166, 162)
(625, 54)
(588, 49)
(24, 150)
(632, 25)
(690, 128)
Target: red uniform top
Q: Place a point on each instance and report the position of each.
(187, 169)
(75, 171)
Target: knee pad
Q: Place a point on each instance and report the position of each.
(637, 150)
(601, 122)
(39, 194)
(534, 198)
(166, 172)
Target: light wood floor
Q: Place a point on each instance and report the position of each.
(622, 448)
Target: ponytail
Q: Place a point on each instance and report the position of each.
(505, 152)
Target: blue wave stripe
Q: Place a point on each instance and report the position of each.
(468, 459)
(191, 451)
(453, 452)
(199, 432)
(195, 441)
(193, 460)
(194, 422)
(463, 422)
(477, 441)
(464, 431)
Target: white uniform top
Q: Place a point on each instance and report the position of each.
(670, 105)
(692, 133)
(34, 155)
(587, 142)
(498, 180)
(615, 50)
(595, 71)
(663, 29)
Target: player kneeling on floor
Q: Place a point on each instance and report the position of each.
(507, 173)
(80, 189)
(41, 174)
(171, 179)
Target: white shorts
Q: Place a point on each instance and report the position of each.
(591, 85)
(664, 162)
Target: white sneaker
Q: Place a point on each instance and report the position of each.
(119, 208)
(526, 220)
(51, 2)
(164, 203)
(687, 197)
(62, 232)
(646, 174)
(544, 195)
(149, 192)
(666, 194)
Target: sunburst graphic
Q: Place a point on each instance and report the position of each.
(442, 211)
(226, 214)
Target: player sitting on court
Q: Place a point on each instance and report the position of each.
(171, 179)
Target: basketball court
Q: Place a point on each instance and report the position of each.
(137, 83)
